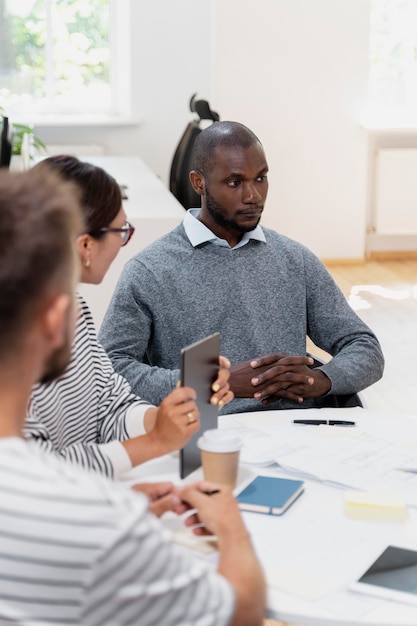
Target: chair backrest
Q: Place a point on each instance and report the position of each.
(339, 401)
(179, 182)
(5, 143)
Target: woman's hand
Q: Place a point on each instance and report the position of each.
(221, 387)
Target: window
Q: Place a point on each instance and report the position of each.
(55, 56)
(393, 60)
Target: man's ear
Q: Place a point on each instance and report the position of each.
(198, 183)
(56, 320)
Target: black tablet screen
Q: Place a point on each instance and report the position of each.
(395, 568)
(199, 369)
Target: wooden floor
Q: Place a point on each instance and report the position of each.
(384, 295)
(390, 274)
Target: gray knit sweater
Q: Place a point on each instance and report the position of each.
(262, 298)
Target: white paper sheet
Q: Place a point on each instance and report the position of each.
(364, 457)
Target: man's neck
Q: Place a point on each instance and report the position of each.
(15, 389)
(228, 235)
(9, 420)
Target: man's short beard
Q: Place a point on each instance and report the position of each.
(57, 364)
(60, 358)
(215, 211)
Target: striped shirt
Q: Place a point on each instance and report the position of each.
(85, 414)
(76, 548)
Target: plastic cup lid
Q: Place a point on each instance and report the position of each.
(216, 440)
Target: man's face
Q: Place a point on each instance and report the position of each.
(60, 357)
(57, 363)
(235, 191)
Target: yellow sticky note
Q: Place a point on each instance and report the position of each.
(375, 506)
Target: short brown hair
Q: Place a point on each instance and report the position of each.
(39, 221)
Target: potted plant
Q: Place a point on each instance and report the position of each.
(19, 130)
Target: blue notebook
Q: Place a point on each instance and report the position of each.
(270, 495)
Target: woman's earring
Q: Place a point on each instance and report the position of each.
(87, 262)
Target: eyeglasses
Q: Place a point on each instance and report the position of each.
(126, 232)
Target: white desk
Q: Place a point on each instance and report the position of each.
(150, 207)
(314, 550)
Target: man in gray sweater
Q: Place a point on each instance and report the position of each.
(265, 293)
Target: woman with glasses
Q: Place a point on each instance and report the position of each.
(89, 415)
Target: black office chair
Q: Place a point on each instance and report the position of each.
(179, 183)
(5, 143)
(338, 400)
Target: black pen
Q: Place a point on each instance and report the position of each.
(328, 422)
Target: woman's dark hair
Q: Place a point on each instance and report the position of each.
(101, 198)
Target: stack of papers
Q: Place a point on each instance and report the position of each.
(364, 457)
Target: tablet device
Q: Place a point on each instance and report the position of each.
(199, 369)
(393, 576)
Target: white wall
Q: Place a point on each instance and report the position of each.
(171, 53)
(295, 71)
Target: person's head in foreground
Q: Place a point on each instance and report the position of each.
(118, 566)
(39, 222)
(106, 227)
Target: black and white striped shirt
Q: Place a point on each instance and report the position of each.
(85, 414)
(76, 548)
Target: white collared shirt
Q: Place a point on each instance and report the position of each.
(198, 233)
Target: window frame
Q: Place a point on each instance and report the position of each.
(120, 112)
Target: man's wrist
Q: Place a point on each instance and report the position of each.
(231, 538)
(324, 383)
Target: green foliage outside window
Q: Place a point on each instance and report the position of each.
(56, 54)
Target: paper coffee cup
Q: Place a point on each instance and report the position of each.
(220, 456)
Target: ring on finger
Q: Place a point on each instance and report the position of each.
(191, 418)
